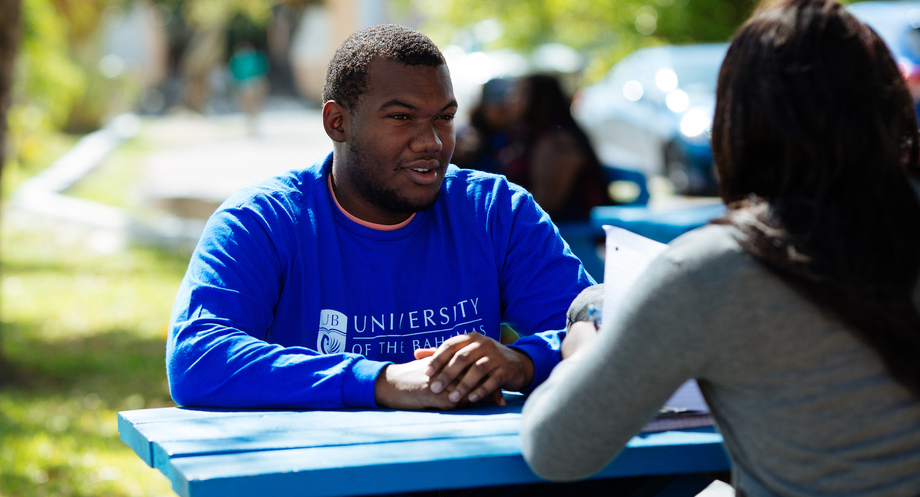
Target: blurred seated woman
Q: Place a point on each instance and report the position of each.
(798, 312)
(480, 144)
(550, 154)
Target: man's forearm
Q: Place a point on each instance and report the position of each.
(230, 369)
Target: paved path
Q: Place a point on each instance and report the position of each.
(211, 157)
(197, 162)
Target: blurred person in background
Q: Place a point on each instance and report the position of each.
(551, 156)
(798, 312)
(481, 144)
(248, 69)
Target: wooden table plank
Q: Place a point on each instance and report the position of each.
(134, 438)
(260, 423)
(186, 432)
(356, 469)
(418, 465)
(165, 451)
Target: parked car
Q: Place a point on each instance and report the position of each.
(898, 23)
(653, 111)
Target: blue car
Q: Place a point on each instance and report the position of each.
(653, 112)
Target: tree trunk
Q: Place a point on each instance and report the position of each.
(9, 38)
(10, 12)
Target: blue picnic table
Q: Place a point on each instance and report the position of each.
(224, 453)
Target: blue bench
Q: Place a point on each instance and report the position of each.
(637, 179)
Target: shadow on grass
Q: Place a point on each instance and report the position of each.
(58, 413)
(9, 374)
(113, 365)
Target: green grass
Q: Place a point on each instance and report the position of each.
(83, 337)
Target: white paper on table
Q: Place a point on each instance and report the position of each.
(627, 255)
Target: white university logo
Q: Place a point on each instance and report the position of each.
(332, 328)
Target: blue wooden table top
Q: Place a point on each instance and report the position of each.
(360, 452)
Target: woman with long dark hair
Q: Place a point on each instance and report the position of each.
(550, 154)
(799, 312)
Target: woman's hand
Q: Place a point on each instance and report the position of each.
(578, 337)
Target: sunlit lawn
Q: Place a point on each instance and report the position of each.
(84, 334)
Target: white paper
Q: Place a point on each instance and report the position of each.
(627, 256)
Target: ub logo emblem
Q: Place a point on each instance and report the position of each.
(332, 328)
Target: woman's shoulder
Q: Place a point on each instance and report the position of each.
(711, 259)
(709, 244)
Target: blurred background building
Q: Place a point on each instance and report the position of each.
(179, 54)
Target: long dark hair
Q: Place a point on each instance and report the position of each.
(547, 105)
(815, 141)
(547, 108)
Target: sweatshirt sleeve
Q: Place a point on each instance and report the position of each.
(593, 403)
(216, 355)
(540, 278)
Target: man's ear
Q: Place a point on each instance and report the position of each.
(334, 116)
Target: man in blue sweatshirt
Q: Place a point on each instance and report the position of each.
(381, 275)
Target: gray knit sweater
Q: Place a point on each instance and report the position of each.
(804, 407)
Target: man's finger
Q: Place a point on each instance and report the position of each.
(403, 386)
(423, 353)
(486, 393)
(444, 353)
(444, 367)
(461, 364)
(477, 373)
(496, 397)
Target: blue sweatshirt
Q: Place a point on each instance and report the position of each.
(287, 303)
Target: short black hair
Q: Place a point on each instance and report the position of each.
(346, 77)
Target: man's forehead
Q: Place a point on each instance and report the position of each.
(391, 76)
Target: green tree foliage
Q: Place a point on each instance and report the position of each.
(48, 80)
(58, 85)
(603, 30)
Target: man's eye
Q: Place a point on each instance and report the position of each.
(400, 117)
(447, 117)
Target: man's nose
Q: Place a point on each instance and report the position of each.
(427, 140)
